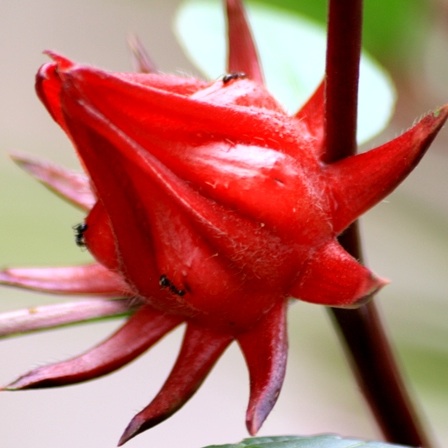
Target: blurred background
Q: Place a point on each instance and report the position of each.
(406, 240)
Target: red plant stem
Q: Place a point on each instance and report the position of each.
(341, 77)
(361, 330)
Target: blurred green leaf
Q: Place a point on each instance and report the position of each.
(292, 51)
(319, 441)
(393, 29)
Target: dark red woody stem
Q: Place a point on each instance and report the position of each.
(361, 329)
(341, 78)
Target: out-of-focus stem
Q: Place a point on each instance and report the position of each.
(361, 330)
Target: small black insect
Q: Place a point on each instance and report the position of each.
(231, 76)
(79, 234)
(164, 282)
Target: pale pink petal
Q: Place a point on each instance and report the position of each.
(36, 318)
(91, 279)
(70, 185)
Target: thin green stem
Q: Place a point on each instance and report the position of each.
(365, 340)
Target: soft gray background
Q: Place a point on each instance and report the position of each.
(406, 239)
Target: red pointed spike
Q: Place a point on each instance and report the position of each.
(357, 183)
(242, 53)
(333, 277)
(312, 116)
(201, 348)
(63, 62)
(71, 186)
(91, 279)
(140, 332)
(265, 350)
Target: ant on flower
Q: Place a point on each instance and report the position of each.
(79, 234)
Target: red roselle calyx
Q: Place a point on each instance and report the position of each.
(206, 204)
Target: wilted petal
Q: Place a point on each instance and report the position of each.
(242, 54)
(358, 183)
(265, 348)
(71, 186)
(333, 277)
(140, 332)
(200, 350)
(91, 279)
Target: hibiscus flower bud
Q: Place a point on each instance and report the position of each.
(209, 205)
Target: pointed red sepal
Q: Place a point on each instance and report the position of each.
(357, 183)
(333, 277)
(92, 279)
(138, 334)
(48, 88)
(72, 186)
(311, 115)
(265, 350)
(201, 348)
(144, 63)
(242, 53)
